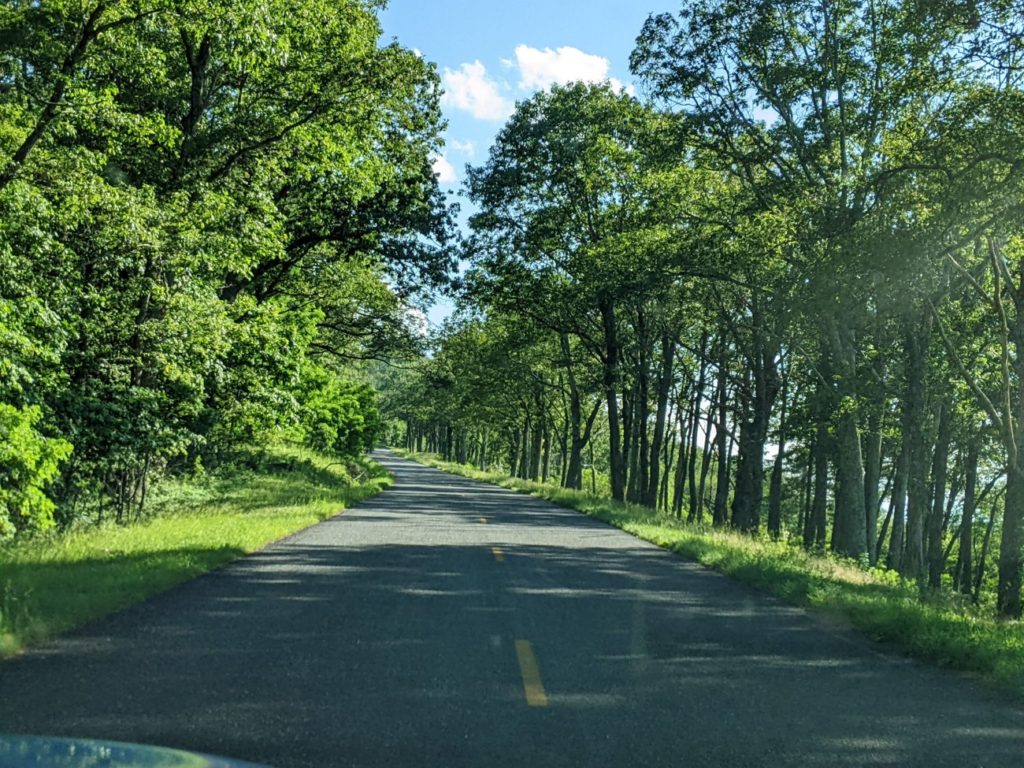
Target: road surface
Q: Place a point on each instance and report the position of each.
(450, 623)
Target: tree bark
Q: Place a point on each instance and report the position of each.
(964, 559)
(668, 350)
(849, 534)
(775, 487)
(940, 465)
(916, 339)
(894, 557)
(611, 378)
(872, 477)
(722, 441)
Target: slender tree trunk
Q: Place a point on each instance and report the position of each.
(775, 488)
(695, 418)
(805, 505)
(916, 340)
(641, 462)
(574, 472)
(722, 443)
(513, 453)
(817, 523)
(705, 461)
(611, 377)
(670, 454)
(894, 558)
(940, 464)
(679, 482)
(628, 443)
(537, 436)
(872, 477)
(668, 351)
(964, 560)
(692, 438)
(979, 578)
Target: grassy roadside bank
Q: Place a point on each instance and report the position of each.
(940, 629)
(51, 584)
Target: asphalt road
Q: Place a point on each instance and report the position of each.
(450, 623)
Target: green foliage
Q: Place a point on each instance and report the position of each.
(339, 417)
(28, 463)
(197, 199)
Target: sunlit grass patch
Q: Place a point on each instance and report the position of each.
(50, 584)
(939, 627)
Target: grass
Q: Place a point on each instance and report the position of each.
(939, 628)
(50, 584)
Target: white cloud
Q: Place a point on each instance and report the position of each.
(541, 69)
(444, 170)
(467, 148)
(468, 88)
(618, 86)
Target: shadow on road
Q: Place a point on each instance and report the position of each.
(384, 637)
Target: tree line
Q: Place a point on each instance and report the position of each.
(210, 211)
(784, 292)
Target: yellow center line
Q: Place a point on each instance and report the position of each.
(532, 685)
(498, 554)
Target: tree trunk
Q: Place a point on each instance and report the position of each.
(705, 461)
(775, 487)
(746, 503)
(628, 442)
(670, 454)
(894, 558)
(722, 441)
(872, 477)
(940, 464)
(817, 521)
(537, 436)
(574, 471)
(679, 484)
(1008, 597)
(916, 340)
(849, 533)
(695, 414)
(668, 350)
(979, 578)
(611, 378)
(964, 564)
(1008, 592)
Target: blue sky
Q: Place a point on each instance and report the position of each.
(490, 54)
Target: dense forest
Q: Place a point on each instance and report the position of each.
(210, 212)
(783, 292)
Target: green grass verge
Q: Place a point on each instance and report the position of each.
(50, 584)
(940, 628)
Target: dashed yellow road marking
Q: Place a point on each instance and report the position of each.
(532, 685)
(498, 554)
